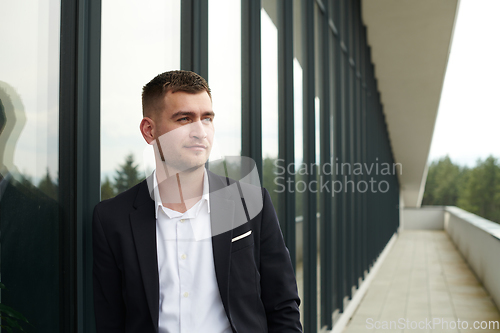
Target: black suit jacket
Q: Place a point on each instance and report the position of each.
(254, 274)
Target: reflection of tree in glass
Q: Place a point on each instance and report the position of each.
(127, 175)
(107, 189)
(48, 187)
(29, 232)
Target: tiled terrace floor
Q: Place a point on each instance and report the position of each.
(424, 277)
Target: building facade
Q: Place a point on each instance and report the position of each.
(294, 87)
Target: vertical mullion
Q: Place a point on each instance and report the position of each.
(371, 159)
(286, 210)
(88, 152)
(194, 36)
(364, 144)
(309, 222)
(79, 156)
(326, 207)
(251, 126)
(67, 164)
(356, 21)
(340, 143)
(333, 35)
(349, 150)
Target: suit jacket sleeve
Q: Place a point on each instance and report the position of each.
(278, 284)
(109, 306)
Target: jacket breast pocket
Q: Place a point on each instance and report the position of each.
(241, 240)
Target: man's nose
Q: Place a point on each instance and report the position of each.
(198, 130)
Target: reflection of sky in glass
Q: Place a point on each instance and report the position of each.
(269, 49)
(139, 41)
(297, 95)
(317, 132)
(29, 36)
(224, 77)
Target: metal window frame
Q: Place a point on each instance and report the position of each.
(194, 36)
(79, 156)
(309, 146)
(251, 94)
(286, 209)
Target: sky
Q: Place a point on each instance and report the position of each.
(468, 121)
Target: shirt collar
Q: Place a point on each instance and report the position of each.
(197, 206)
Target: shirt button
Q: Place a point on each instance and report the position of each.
(183, 257)
(186, 294)
(182, 220)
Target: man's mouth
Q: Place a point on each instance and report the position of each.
(196, 147)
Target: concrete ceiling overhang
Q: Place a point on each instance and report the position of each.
(410, 42)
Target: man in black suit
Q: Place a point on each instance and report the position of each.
(187, 250)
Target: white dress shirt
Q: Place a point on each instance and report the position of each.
(189, 295)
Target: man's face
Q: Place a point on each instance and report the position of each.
(185, 130)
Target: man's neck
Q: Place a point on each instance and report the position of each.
(180, 191)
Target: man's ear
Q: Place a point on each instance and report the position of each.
(147, 128)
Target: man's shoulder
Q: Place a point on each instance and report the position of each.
(125, 201)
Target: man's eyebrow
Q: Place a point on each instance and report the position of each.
(192, 114)
(182, 113)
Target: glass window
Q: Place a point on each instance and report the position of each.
(29, 167)
(139, 41)
(270, 125)
(224, 75)
(298, 144)
(318, 55)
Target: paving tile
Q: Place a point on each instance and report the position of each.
(424, 277)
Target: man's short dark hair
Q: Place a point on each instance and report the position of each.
(154, 92)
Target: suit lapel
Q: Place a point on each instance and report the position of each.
(143, 224)
(221, 218)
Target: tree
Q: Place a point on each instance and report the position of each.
(481, 194)
(48, 187)
(445, 182)
(107, 189)
(127, 175)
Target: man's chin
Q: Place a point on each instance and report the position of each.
(194, 168)
(189, 168)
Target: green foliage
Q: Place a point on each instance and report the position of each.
(127, 175)
(10, 318)
(481, 194)
(476, 190)
(445, 182)
(107, 189)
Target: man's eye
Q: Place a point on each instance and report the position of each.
(208, 119)
(183, 119)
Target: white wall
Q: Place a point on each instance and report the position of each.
(479, 242)
(426, 218)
